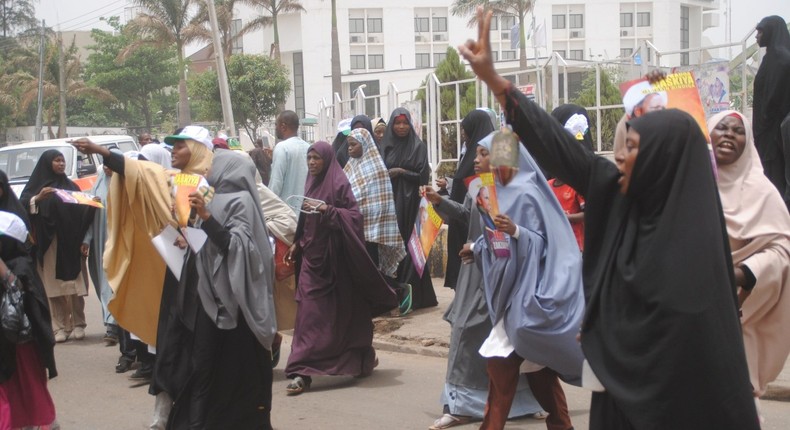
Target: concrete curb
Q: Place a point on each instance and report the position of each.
(428, 351)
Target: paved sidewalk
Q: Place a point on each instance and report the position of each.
(424, 332)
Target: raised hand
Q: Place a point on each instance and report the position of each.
(478, 54)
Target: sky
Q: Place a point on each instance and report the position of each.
(85, 14)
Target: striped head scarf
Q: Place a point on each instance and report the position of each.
(372, 188)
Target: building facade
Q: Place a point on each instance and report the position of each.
(384, 42)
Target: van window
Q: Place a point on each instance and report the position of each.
(19, 163)
(123, 145)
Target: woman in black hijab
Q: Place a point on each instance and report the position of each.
(661, 329)
(25, 367)
(772, 101)
(58, 229)
(476, 125)
(406, 158)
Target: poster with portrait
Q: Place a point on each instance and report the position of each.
(184, 184)
(482, 190)
(426, 228)
(713, 83)
(676, 91)
(78, 198)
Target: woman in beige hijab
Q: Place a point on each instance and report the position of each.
(758, 226)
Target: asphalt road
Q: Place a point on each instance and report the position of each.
(403, 393)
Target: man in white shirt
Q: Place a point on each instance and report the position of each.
(289, 161)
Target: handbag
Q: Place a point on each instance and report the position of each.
(281, 269)
(16, 324)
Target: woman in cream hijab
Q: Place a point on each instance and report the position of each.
(758, 227)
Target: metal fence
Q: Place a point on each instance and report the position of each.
(549, 78)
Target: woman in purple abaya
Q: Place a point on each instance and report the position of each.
(339, 289)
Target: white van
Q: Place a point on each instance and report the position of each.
(18, 161)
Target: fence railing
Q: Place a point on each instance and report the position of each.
(549, 78)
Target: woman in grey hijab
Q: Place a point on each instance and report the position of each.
(230, 385)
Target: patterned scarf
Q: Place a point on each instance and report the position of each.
(372, 188)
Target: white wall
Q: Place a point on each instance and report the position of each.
(310, 33)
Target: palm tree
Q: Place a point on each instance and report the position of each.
(24, 85)
(274, 8)
(519, 8)
(201, 27)
(164, 23)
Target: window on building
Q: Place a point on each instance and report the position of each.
(422, 25)
(440, 24)
(508, 21)
(375, 25)
(439, 57)
(684, 34)
(238, 42)
(557, 21)
(508, 55)
(643, 19)
(627, 20)
(376, 61)
(495, 55)
(576, 20)
(356, 25)
(494, 23)
(576, 54)
(423, 61)
(626, 52)
(357, 62)
(561, 52)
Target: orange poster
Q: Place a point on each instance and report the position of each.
(185, 184)
(426, 228)
(677, 90)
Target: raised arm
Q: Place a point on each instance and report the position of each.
(551, 145)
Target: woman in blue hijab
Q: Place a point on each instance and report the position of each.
(534, 297)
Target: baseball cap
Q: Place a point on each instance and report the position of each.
(193, 132)
(13, 226)
(344, 126)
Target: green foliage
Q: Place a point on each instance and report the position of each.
(610, 95)
(736, 79)
(451, 69)
(16, 16)
(257, 85)
(138, 79)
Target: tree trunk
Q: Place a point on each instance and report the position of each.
(275, 28)
(146, 108)
(276, 50)
(336, 83)
(184, 115)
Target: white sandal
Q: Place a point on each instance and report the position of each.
(449, 420)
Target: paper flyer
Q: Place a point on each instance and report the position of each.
(504, 155)
(77, 198)
(173, 255)
(185, 184)
(677, 90)
(482, 188)
(426, 228)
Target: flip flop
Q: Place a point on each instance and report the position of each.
(298, 386)
(405, 304)
(542, 415)
(449, 420)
